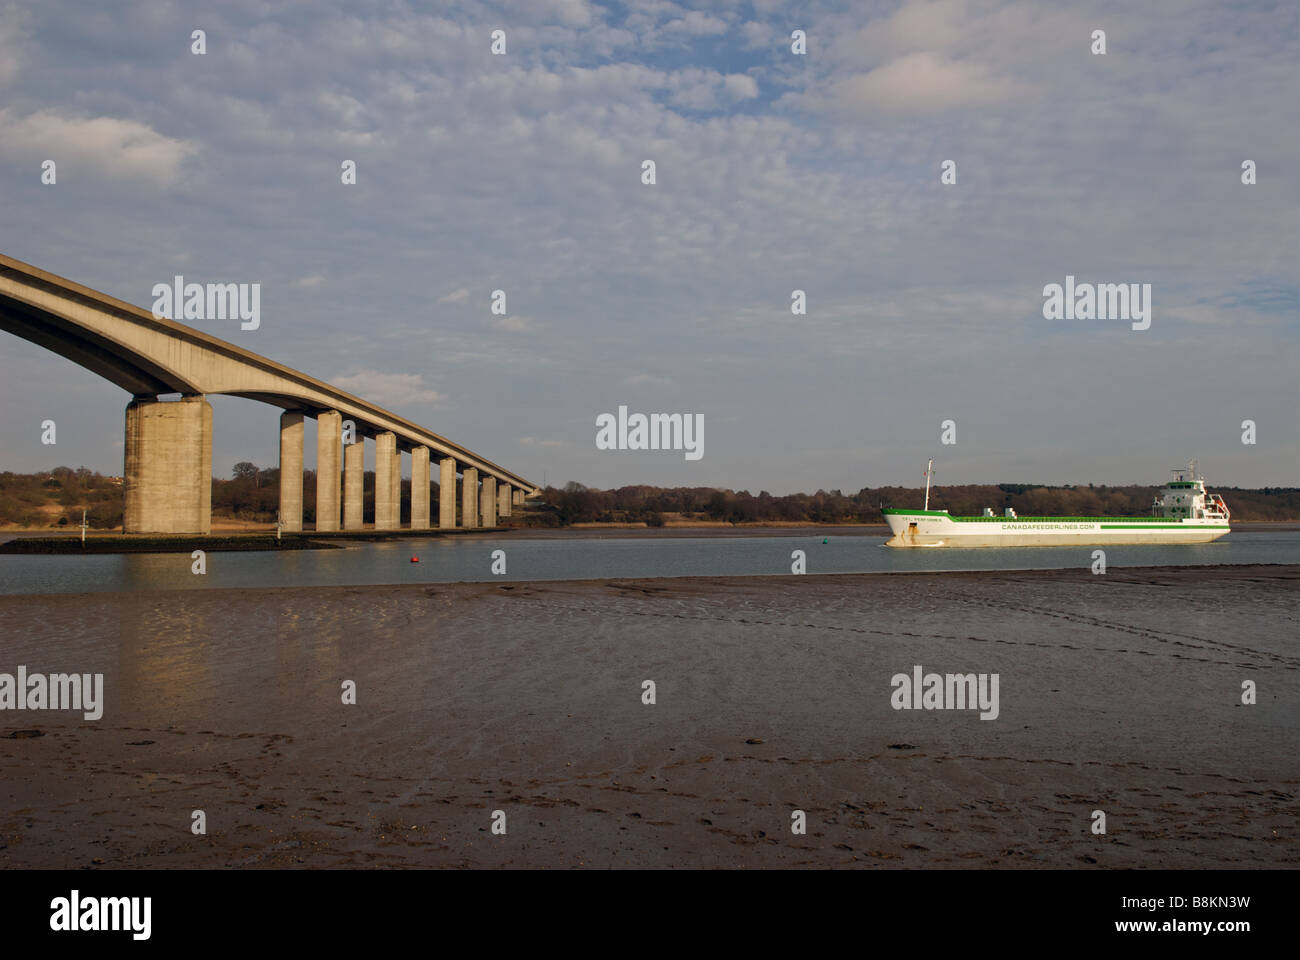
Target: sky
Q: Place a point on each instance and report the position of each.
(774, 172)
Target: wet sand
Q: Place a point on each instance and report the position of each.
(1119, 692)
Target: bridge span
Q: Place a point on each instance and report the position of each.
(168, 449)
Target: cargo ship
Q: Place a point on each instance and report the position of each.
(1183, 513)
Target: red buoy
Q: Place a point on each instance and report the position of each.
(415, 559)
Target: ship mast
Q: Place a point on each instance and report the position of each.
(929, 469)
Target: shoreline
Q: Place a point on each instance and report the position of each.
(46, 543)
(71, 544)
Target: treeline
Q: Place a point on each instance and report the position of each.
(58, 497)
(575, 503)
(252, 493)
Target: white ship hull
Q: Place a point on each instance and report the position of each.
(935, 528)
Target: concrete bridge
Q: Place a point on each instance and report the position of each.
(168, 449)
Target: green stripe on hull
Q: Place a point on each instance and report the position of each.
(1130, 523)
(1049, 519)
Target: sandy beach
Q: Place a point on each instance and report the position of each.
(1119, 693)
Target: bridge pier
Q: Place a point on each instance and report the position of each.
(503, 500)
(354, 484)
(329, 440)
(518, 497)
(469, 498)
(167, 469)
(395, 478)
(488, 501)
(420, 488)
(447, 493)
(385, 447)
(291, 434)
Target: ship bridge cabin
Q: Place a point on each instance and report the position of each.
(1184, 498)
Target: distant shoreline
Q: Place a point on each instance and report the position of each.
(47, 543)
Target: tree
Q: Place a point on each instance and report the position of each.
(245, 471)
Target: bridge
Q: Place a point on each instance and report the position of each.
(168, 449)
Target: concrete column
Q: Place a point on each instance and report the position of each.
(397, 488)
(167, 466)
(503, 500)
(488, 502)
(469, 498)
(385, 447)
(354, 485)
(329, 450)
(447, 493)
(518, 497)
(420, 488)
(291, 433)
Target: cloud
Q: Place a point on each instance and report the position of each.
(646, 379)
(460, 295)
(13, 40)
(315, 280)
(569, 13)
(514, 323)
(923, 25)
(389, 389)
(697, 24)
(741, 86)
(918, 83)
(121, 149)
(697, 89)
(1198, 313)
(757, 35)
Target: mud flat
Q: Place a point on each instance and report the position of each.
(1119, 693)
(150, 544)
(71, 544)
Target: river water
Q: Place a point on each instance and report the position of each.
(451, 559)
